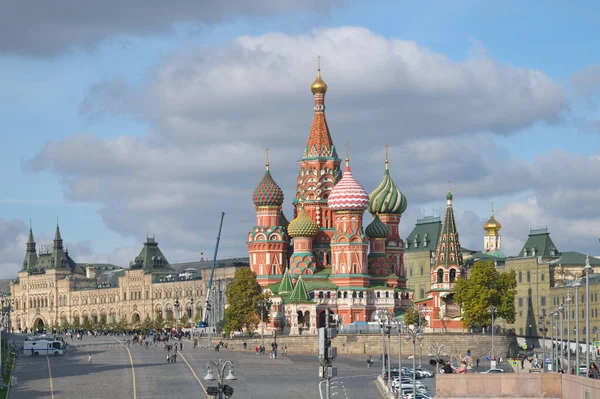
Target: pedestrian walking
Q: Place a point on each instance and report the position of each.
(478, 363)
(89, 358)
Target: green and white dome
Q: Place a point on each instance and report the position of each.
(387, 198)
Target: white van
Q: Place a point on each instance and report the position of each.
(43, 347)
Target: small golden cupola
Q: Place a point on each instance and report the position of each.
(319, 86)
(492, 226)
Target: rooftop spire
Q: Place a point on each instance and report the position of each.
(267, 154)
(57, 237)
(387, 146)
(347, 155)
(320, 144)
(448, 252)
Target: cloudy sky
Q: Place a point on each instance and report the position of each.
(127, 119)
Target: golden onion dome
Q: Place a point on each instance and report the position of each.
(319, 86)
(492, 224)
(302, 226)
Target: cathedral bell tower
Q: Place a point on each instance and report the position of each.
(268, 241)
(318, 174)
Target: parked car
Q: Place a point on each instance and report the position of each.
(424, 373)
(420, 395)
(493, 371)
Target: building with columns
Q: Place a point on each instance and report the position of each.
(324, 258)
(54, 290)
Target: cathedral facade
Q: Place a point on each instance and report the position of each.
(324, 258)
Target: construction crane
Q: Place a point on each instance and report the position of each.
(204, 322)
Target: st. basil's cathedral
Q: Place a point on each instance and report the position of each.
(324, 258)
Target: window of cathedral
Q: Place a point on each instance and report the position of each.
(124, 296)
(378, 294)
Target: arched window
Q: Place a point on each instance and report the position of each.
(452, 275)
(440, 276)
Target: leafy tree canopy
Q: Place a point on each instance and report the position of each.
(412, 317)
(244, 295)
(486, 287)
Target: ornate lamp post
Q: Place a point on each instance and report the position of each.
(551, 315)
(382, 315)
(561, 310)
(437, 350)
(401, 327)
(568, 301)
(543, 322)
(587, 269)
(414, 333)
(555, 348)
(219, 369)
(493, 310)
(176, 305)
(577, 284)
(261, 304)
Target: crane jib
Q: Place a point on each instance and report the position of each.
(204, 323)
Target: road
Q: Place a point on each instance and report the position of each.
(116, 371)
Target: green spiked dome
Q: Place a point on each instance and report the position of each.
(302, 226)
(267, 193)
(386, 198)
(377, 229)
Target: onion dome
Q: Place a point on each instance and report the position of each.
(283, 222)
(302, 226)
(319, 86)
(348, 194)
(449, 196)
(267, 193)
(387, 198)
(377, 229)
(492, 225)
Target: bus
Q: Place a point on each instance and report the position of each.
(43, 347)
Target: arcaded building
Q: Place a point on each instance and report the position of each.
(52, 289)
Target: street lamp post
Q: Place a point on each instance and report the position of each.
(577, 284)
(587, 269)
(261, 303)
(414, 333)
(555, 348)
(561, 310)
(176, 305)
(437, 351)
(551, 315)
(382, 316)
(219, 368)
(492, 310)
(400, 331)
(543, 321)
(568, 301)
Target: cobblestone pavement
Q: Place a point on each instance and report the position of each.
(111, 375)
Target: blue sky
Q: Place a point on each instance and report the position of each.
(47, 93)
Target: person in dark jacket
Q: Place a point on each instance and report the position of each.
(447, 368)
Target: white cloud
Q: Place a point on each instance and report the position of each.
(212, 111)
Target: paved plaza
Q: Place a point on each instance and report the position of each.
(137, 372)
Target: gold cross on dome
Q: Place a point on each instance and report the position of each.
(267, 155)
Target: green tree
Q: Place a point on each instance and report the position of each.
(159, 322)
(86, 325)
(170, 322)
(121, 325)
(243, 297)
(486, 287)
(412, 317)
(184, 321)
(148, 324)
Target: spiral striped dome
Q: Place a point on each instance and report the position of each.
(386, 198)
(348, 194)
(302, 226)
(267, 193)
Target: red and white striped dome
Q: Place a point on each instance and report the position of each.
(348, 194)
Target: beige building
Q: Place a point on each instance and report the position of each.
(53, 290)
